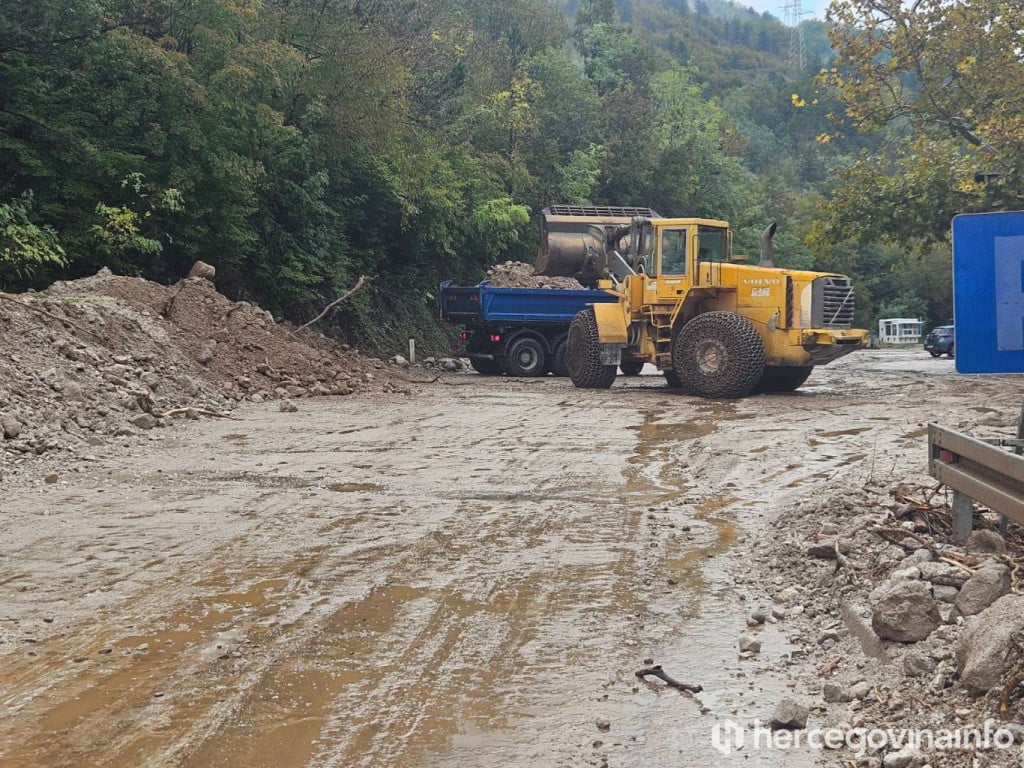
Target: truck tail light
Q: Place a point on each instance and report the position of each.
(495, 337)
(464, 335)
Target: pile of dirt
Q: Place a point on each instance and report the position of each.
(898, 623)
(108, 356)
(518, 274)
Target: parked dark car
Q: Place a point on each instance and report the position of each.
(940, 341)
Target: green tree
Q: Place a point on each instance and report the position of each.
(25, 246)
(945, 77)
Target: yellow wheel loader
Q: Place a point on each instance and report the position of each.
(716, 325)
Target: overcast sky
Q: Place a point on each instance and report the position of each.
(776, 7)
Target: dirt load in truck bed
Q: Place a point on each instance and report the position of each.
(518, 274)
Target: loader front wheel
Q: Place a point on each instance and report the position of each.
(583, 354)
(783, 378)
(718, 355)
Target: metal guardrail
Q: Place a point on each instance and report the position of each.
(979, 470)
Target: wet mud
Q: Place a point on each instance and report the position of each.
(466, 576)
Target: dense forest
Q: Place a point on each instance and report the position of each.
(299, 144)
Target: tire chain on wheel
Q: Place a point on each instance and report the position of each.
(737, 340)
(583, 354)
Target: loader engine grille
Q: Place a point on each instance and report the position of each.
(833, 302)
(601, 211)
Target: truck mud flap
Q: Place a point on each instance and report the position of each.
(611, 354)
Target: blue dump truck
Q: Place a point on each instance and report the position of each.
(519, 331)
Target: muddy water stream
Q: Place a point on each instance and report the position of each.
(467, 576)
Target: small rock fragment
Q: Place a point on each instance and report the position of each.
(789, 714)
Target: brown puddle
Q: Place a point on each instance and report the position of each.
(126, 676)
(687, 569)
(356, 487)
(845, 432)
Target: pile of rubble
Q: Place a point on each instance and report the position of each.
(904, 629)
(518, 274)
(104, 357)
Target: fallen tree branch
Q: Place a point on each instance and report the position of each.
(1008, 689)
(657, 671)
(844, 562)
(829, 666)
(360, 284)
(957, 564)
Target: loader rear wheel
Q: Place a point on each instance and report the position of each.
(718, 355)
(631, 367)
(583, 354)
(525, 357)
(672, 380)
(783, 378)
(559, 365)
(485, 366)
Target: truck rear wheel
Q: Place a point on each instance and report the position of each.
(783, 378)
(559, 365)
(718, 355)
(583, 355)
(484, 366)
(525, 357)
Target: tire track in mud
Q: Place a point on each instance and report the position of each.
(130, 714)
(466, 577)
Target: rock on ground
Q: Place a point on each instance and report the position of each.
(986, 645)
(904, 610)
(789, 714)
(986, 585)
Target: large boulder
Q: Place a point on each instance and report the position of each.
(204, 270)
(982, 656)
(904, 611)
(986, 585)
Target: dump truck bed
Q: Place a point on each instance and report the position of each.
(484, 305)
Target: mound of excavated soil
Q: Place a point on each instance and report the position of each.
(108, 356)
(518, 274)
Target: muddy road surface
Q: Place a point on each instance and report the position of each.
(466, 576)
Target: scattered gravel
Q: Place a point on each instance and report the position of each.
(905, 629)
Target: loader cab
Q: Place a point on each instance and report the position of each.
(714, 243)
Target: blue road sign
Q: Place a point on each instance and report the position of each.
(988, 292)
